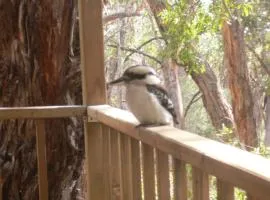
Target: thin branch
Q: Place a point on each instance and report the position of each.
(264, 66)
(119, 15)
(136, 51)
(193, 100)
(142, 45)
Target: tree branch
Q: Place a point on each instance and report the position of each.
(192, 101)
(119, 15)
(142, 45)
(264, 66)
(136, 51)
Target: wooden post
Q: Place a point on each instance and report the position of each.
(93, 85)
(1, 189)
(136, 169)
(163, 175)
(148, 172)
(41, 160)
(92, 52)
(200, 185)
(126, 167)
(115, 165)
(180, 176)
(225, 191)
(106, 160)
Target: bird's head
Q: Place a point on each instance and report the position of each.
(139, 75)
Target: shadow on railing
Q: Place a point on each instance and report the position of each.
(124, 162)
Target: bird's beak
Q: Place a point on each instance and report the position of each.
(117, 81)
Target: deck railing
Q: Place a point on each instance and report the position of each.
(39, 114)
(133, 166)
(129, 163)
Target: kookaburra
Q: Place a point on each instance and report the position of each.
(145, 97)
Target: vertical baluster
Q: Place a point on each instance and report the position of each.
(180, 180)
(115, 165)
(252, 197)
(1, 187)
(148, 172)
(94, 158)
(200, 184)
(41, 160)
(225, 191)
(136, 169)
(126, 167)
(106, 159)
(163, 175)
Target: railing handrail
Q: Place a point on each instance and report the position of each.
(41, 112)
(242, 169)
(37, 112)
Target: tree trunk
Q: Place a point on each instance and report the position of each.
(115, 69)
(170, 73)
(215, 104)
(242, 101)
(121, 43)
(111, 72)
(36, 70)
(267, 121)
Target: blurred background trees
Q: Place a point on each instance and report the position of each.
(212, 55)
(221, 51)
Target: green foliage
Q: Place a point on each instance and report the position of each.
(185, 23)
(226, 134)
(212, 187)
(244, 8)
(262, 150)
(240, 194)
(228, 9)
(267, 87)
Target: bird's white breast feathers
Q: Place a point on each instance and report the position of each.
(145, 106)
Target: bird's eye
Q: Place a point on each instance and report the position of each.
(150, 73)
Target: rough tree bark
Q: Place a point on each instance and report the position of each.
(35, 69)
(215, 104)
(238, 76)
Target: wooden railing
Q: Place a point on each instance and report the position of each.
(129, 163)
(137, 162)
(39, 114)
